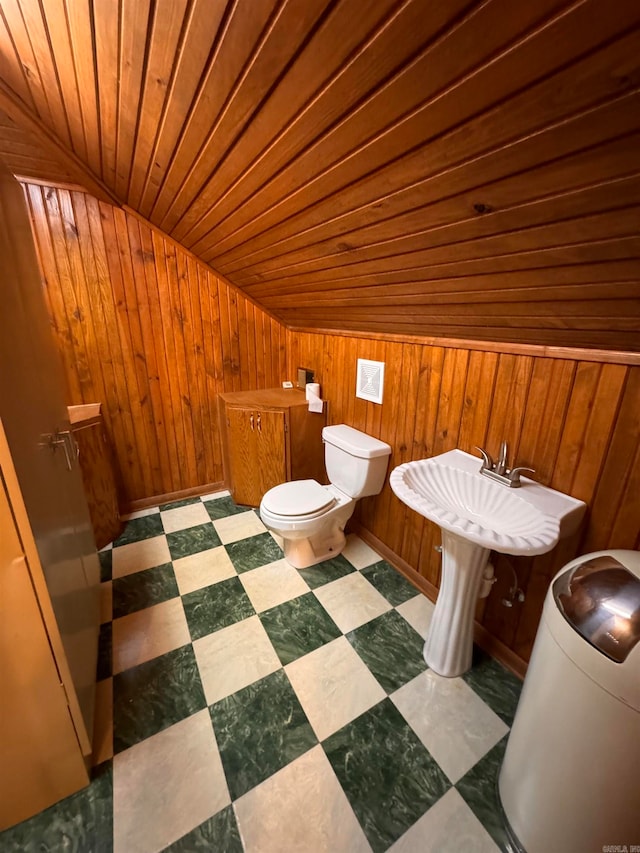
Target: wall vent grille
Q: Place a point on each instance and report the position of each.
(370, 380)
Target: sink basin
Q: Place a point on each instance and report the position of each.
(476, 508)
(476, 515)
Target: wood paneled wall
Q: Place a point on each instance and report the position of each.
(576, 422)
(152, 334)
(465, 168)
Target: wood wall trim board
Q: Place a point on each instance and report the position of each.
(570, 353)
(23, 117)
(481, 636)
(566, 335)
(60, 185)
(169, 497)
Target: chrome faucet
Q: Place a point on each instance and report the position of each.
(501, 465)
(500, 470)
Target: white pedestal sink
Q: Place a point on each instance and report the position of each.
(476, 515)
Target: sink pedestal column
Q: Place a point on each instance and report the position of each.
(449, 644)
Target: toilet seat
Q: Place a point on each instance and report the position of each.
(301, 500)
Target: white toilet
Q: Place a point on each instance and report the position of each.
(310, 517)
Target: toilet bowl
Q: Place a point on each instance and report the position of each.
(310, 518)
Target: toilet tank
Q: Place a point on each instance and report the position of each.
(356, 462)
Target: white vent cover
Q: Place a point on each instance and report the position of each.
(370, 380)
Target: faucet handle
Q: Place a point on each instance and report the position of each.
(514, 474)
(487, 461)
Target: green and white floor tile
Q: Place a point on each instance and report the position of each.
(246, 705)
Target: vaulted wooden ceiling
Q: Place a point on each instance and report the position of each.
(432, 167)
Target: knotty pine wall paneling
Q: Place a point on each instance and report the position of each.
(576, 422)
(150, 332)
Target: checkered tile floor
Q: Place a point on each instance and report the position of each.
(245, 705)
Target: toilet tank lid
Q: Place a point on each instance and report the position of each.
(355, 442)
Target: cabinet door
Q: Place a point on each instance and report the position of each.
(270, 431)
(257, 456)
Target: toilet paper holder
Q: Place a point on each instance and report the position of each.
(305, 376)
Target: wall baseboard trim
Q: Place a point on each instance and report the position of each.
(169, 497)
(490, 644)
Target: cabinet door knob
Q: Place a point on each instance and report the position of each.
(251, 419)
(259, 422)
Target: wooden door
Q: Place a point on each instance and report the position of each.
(257, 455)
(40, 756)
(35, 418)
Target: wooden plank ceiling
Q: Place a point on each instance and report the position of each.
(446, 168)
(24, 154)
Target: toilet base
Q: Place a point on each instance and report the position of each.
(303, 553)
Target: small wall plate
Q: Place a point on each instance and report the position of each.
(370, 380)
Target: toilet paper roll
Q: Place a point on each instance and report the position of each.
(312, 391)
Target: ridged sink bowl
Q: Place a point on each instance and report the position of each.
(476, 515)
(470, 505)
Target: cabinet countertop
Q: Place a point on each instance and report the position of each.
(86, 414)
(275, 398)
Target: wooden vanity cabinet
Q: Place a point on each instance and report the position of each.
(269, 437)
